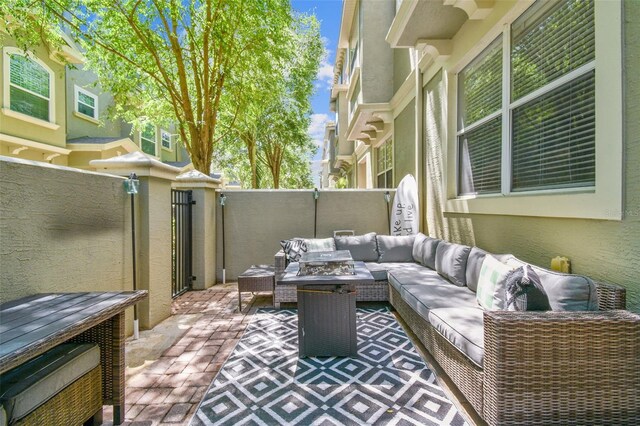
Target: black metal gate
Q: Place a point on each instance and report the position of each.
(181, 238)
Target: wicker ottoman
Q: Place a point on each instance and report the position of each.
(256, 278)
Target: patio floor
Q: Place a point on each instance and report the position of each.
(170, 368)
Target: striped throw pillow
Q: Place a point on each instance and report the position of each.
(491, 292)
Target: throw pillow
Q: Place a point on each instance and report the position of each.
(424, 250)
(395, 248)
(320, 244)
(293, 248)
(524, 291)
(492, 284)
(362, 247)
(451, 262)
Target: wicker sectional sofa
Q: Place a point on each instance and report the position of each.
(578, 363)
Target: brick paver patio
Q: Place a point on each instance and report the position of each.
(169, 390)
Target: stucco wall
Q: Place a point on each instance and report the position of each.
(154, 254)
(401, 67)
(404, 141)
(604, 250)
(77, 126)
(377, 56)
(256, 221)
(61, 230)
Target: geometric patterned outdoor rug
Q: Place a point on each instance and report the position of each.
(265, 383)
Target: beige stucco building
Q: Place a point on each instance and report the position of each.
(519, 120)
(54, 111)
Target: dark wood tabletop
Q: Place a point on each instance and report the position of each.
(34, 324)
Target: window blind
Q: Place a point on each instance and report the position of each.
(480, 85)
(549, 43)
(554, 138)
(480, 159)
(29, 89)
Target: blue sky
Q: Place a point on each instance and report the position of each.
(328, 12)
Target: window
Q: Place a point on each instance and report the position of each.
(353, 102)
(148, 140)
(165, 139)
(385, 165)
(86, 103)
(540, 135)
(29, 86)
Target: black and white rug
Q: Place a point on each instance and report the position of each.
(265, 383)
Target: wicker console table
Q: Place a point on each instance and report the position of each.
(32, 325)
(256, 278)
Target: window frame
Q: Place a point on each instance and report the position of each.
(162, 134)
(387, 145)
(604, 200)
(7, 52)
(76, 99)
(154, 140)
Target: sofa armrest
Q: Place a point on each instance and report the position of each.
(611, 296)
(561, 367)
(280, 262)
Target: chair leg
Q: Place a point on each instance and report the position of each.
(239, 301)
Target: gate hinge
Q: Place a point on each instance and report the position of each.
(193, 277)
(193, 201)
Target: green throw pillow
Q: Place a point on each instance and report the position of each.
(491, 292)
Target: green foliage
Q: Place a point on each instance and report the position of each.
(267, 143)
(191, 63)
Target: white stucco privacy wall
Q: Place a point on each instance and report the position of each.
(256, 221)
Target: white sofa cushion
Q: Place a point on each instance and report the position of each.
(463, 327)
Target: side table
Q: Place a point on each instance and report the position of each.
(256, 278)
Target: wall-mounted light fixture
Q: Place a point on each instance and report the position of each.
(223, 199)
(316, 195)
(131, 186)
(387, 199)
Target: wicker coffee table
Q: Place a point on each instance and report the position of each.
(256, 278)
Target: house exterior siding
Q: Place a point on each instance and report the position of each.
(598, 229)
(19, 128)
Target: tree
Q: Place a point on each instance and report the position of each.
(272, 131)
(176, 61)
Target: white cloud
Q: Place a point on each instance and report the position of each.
(325, 71)
(316, 128)
(325, 74)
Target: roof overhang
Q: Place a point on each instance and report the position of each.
(433, 19)
(370, 122)
(21, 144)
(348, 11)
(125, 143)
